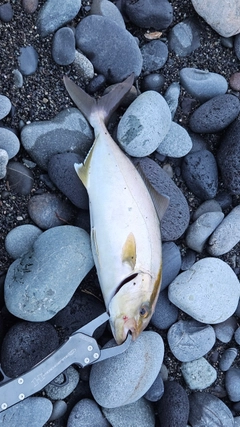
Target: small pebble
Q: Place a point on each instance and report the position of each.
(83, 66)
(226, 235)
(28, 60)
(3, 163)
(17, 79)
(173, 407)
(199, 231)
(172, 97)
(237, 45)
(6, 12)
(59, 409)
(5, 106)
(156, 390)
(201, 84)
(184, 37)
(237, 335)
(198, 374)
(232, 384)
(155, 54)
(30, 6)
(20, 178)
(228, 358)
(86, 413)
(20, 239)
(225, 330)
(9, 142)
(205, 207)
(152, 81)
(63, 46)
(234, 81)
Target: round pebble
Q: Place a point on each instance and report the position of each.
(200, 230)
(34, 411)
(237, 336)
(138, 413)
(155, 54)
(59, 409)
(234, 81)
(189, 339)
(30, 6)
(20, 239)
(149, 13)
(121, 55)
(62, 173)
(125, 378)
(177, 143)
(225, 330)
(3, 163)
(198, 374)
(176, 218)
(62, 253)
(63, 46)
(205, 207)
(26, 344)
(152, 81)
(144, 124)
(201, 84)
(209, 291)
(28, 60)
(20, 178)
(226, 235)
(5, 106)
(69, 131)
(199, 171)
(83, 66)
(215, 115)
(49, 210)
(173, 408)
(17, 79)
(86, 413)
(207, 409)
(6, 12)
(171, 263)
(63, 384)
(232, 384)
(184, 37)
(165, 313)
(9, 142)
(227, 359)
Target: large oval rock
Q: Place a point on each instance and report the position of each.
(55, 13)
(209, 291)
(176, 218)
(69, 131)
(42, 281)
(121, 55)
(144, 124)
(125, 378)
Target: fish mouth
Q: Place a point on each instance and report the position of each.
(123, 328)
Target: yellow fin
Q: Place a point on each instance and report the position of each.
(83, 169)
(129, 254)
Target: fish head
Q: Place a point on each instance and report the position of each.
(132, 307)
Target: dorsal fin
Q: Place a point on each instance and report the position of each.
(129, 253)
(104, 106)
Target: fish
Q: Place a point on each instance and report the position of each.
(125, 227)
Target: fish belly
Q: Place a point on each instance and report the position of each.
(120, 205)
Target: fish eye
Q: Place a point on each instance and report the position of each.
(144, 311)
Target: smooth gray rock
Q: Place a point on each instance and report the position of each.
(200, 230)
(20, 239)
(86, 413)
(202, 84)
(165, 313)
(205, 207)
(215, 115)
(176, 218)
(83, 66)
(207, 409)
(149, 13)
(34, 412)
(5, 106)
(152, 81)
(69, 131)
(125, 378)
(226, 235)
(198, 374)
(171, 263)
(184, 37)
(156, 390)
(189, 340)
(41, 282)
(154, 54)
(121, 55)
(63, 46)
(137, 413)
(20, 178)
(228, 358)
(225, 330)
(144, 124)
(3, 163)
(59, 409)
(28, 60)
(56, 13)
(17, 78)
(109, 10)
(9, 142)
(63, 384)
(232, 384)
(177, 143)
(209, 291)
(172, 97)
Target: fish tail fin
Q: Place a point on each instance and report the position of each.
(104, 106)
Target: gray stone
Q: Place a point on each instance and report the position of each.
(184, 37)
(226, 235)
(9, 142)
(171, 257)
(20, 178)
(28, 60)
(144, 124)
(135, 414)
(165, 313)
(42, 282)
(207, 206)
(86, 413)
(232, 384)
(177, 143)
(156, 390)
(63, 384)
(215, 115)
(149, 13)
(34, 412)
(155, 54)
(125, 378)
(200, 230)
(209, 291)
(20, 239)
(3, 163)
(188, 340)
(176, 218)
(56, 13)
(63, 46)
(202, 84)
(5, 106)
(225, 330)
(172, 97)
(152, 81)
(228, 358)
(59, 409)
(109, 10)
(83, 66)
(121, 55)
(173, 407)
(208, 410)
(17, 78)
(198, 374)
(69, 131)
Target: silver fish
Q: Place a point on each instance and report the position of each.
(125, 229)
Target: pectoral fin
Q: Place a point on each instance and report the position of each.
(129, 254)
(83, 169)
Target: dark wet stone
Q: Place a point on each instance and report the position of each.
(63, 46)
(20, 178)
(6, 12)
(155, 54)
(28, 60)
(30, 6)
(149, 13)
(152, 81)
(173, 407)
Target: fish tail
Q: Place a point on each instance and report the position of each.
(104, 106)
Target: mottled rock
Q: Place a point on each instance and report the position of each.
(177, 143)
(34, 411)
(155, 54)
(86, 413)
(184, 37)
(198, 374)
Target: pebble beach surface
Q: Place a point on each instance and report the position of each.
(181, 124)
